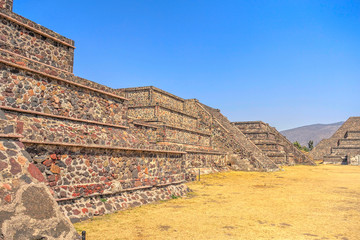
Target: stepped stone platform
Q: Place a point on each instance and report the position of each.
(343, 147)
(203, 131)
(87, 149)
(272, 143)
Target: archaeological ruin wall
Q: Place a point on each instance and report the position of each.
(92, 149)
(343, 147)
(175, 124)
(28, 209)
(76, 132)
(273, 143)
(196, 127)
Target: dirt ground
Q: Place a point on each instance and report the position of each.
(302, 202)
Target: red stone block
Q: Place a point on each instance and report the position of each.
(47, 162)
(53, 156)
(7, 198)
(20, 144)
(19, 127)
(68, 161)
(15, 167)
(35, 172)
(52, 184)
(51, 178)
(84, 210)
(6, 186)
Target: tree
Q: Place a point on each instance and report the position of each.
(297, 145)
(311, 145)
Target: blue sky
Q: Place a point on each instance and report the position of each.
(288, 63)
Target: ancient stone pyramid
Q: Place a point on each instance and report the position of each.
(204, 133)
(343, 147)
(93, 149)
(272, 143)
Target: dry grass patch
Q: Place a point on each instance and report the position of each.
(302, 202)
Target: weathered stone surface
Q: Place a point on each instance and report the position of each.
(27, 208)
(36, 173)
(38, 204)
(55, 169)
(34, 214)
(15, 167)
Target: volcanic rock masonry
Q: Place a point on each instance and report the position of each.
(79, 149)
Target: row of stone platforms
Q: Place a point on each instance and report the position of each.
(189, 123)
(272, 143)
(87, 149)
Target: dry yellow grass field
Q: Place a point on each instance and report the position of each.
(302, 202)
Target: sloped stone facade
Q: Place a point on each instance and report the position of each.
(342, 146)
(273, 143)
(90, 148)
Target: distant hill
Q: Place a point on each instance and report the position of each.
(315, 132)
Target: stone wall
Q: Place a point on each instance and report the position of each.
(6, 4)
(82, 208)
(186, 137)
(23, 90)
(33, 41)
(79, 172)
(200, 160)
(168, 100)
(27, 207)
(77, 131)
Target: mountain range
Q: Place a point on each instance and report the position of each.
(315, 132)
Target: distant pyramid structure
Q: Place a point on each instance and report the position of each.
(343, 147)
(272, 143)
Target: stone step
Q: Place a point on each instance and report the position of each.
(352, 135)
(335, 159)
(345, 150)
(349, 142)
(276, 156)
(260, 136)
(248, 125)
(265, 141)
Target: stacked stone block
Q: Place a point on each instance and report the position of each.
(272, 143)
